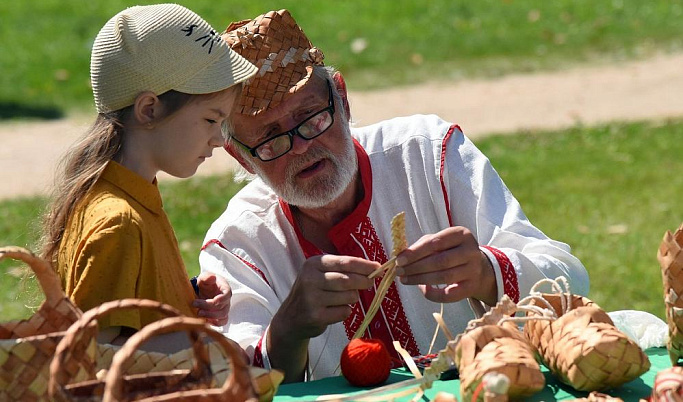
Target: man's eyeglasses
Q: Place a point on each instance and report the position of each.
(313, 126)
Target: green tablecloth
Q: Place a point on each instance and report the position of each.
(553, 391)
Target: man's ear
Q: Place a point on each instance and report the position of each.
(239, 157)
(147, 109)
(341, 88)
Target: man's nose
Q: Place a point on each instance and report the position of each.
(299, 144)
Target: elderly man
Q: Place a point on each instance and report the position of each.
(297, 244)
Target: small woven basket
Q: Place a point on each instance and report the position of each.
(582, 347)
(497, 348)
(671, 261)
(194, 384)
(27, 346)
(72, 352)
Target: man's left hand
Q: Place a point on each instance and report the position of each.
(213, 301)
(448, 266)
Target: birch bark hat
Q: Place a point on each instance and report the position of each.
(282, 53)
(160, 48)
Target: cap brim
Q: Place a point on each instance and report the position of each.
(223, 73)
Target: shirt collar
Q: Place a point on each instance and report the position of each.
(134, 185)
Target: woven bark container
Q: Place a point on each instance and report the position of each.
(668, 385)
(68, 357)
(671, 261)
(27, 346)
(501, 349)
(583, 348)
(265, 382)
(195, 384)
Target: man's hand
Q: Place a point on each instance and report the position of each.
(448, 266)
(320, 296)
(322, 293)
(213, 301)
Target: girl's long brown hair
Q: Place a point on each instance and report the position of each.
(83, 164)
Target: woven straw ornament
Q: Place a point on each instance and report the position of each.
(671, 261)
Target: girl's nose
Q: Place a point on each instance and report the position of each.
(217, 139)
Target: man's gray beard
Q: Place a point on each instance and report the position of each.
(321, 191)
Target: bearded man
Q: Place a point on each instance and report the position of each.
(297, 243)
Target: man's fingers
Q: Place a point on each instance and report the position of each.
(347, 264)
(338, 281)
(332, 299)
(445, 260)
(335, 314)
(433, 243)
(446, 293)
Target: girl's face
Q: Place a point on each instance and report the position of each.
(186, 138)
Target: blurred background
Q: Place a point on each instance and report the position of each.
(608, 187)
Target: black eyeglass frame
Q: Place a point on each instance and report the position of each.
(295, 131)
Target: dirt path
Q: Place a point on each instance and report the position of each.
(648, 89)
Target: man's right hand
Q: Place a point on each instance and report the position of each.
(321, 295)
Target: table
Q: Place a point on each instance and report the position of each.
(553, 391)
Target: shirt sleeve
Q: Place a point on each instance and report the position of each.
(107, 267)
(521, 254)
(253, 303)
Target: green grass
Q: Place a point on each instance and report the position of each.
(46, 43)
(610, 192)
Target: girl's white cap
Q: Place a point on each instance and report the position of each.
(160, 48)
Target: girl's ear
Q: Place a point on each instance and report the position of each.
(230, 147)
(341, 88)
(147, 109)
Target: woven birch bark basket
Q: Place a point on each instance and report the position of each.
(27, 346)
(265, 382)
(489, 346)
(194, 384)
(69, 356)
(582, 347)
(670, 259)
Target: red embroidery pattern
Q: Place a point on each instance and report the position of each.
(365, 232)
(391, 311)
(442, 168)
(510, 284)
(257, 361)
(247, 263)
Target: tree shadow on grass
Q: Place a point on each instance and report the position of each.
(14, 110)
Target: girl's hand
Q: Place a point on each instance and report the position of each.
(213, 301)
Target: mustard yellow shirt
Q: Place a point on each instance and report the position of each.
(118, 243)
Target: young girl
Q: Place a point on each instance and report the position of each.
(163, 83)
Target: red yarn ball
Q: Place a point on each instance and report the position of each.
(365, 362)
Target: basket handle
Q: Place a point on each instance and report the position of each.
(237, 386)
(47, 277)
(75, 341)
